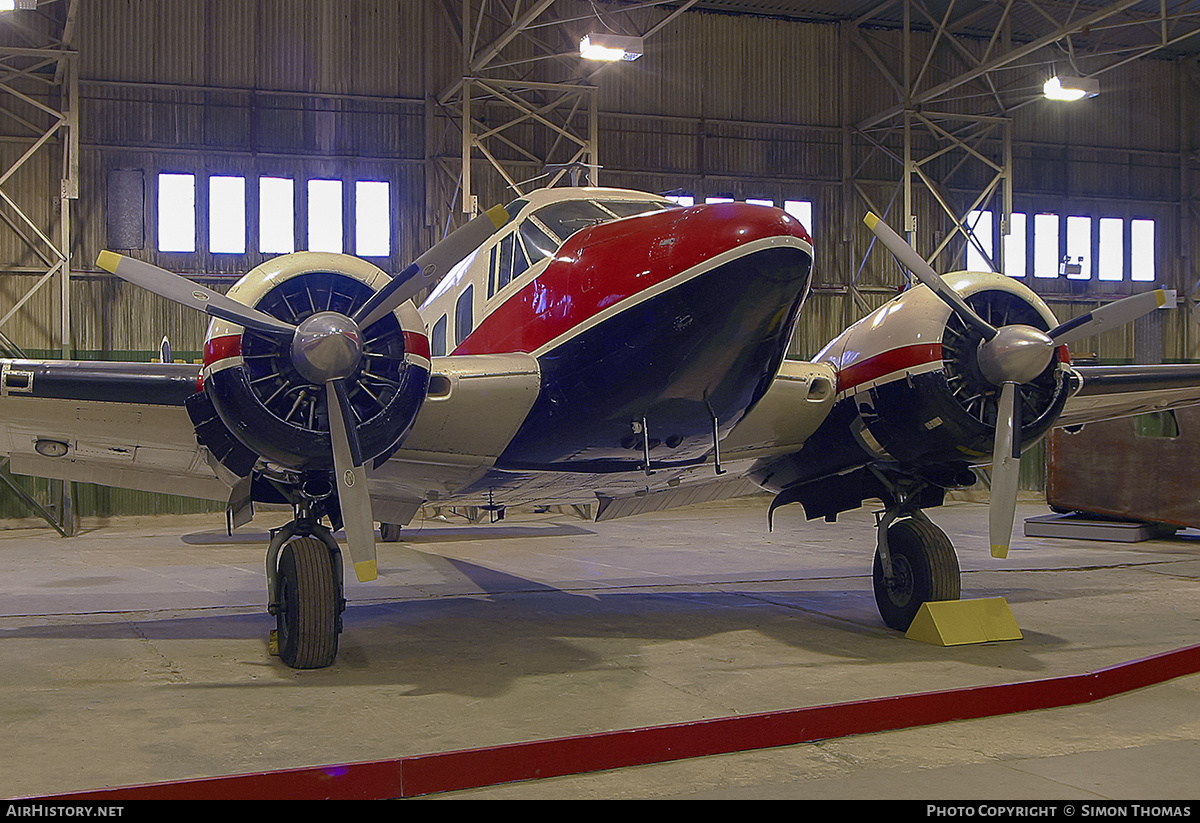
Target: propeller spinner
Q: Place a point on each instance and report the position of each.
(1009, 357)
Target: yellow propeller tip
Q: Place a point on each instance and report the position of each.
(1000, 552)
(366, 571)
(108, 260)
(870, 220)
(498, 215)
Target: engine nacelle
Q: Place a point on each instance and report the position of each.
(911, 371)
(912, 403)
(278, 414)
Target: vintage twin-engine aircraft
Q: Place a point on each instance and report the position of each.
(580, 345)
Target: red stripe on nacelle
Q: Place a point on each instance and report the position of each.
(416, 343)
(905, 357)
(221, 348)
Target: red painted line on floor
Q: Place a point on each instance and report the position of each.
(472, 768)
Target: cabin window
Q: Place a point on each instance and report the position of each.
(512, 261)
(437, 338)
(463, 315)
(492, 266)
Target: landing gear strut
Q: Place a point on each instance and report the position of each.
(915, 562)
(304, 583)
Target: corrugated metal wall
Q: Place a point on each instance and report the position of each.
(732, 105)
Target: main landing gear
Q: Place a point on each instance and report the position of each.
(915, 563)
(304, 591)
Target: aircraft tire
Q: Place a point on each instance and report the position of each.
(308, 614)
(926, 569)
(389, 532)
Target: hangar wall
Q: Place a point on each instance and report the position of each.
(721, 105)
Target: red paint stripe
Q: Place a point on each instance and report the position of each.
(220, 348)
(448, 771)
(601, 266)
(905, 357)
(416, 343)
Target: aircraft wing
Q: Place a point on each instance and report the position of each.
(116, 424)
(126, 425)
(1123, 391)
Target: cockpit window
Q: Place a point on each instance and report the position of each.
(566, 218)
(538, 244)
(628, 208)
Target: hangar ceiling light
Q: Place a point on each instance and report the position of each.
(610, 47)
(1063, 87)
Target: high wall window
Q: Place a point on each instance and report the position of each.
(802, 210)
(1015, 247)
(276, 215)
(372, 218)
(177, 212)
(1074, 246)
(980, 245)
(1110, 257)
(1077, 264)
(1046, 250)
(325, 224)
(227, 224)
(1141, 250)
(227, 215)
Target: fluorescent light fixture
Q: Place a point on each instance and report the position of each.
(610, 47)
(1062, 87)
(9, 5)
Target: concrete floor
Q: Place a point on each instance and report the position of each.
(136, 653)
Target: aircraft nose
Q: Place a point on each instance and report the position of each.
(750, 219)
(715, 228)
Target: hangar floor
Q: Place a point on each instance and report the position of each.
(136, 653)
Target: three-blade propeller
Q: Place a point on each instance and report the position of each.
(326, 349)
(1009, 356)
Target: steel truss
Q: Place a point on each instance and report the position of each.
(525, 103)
(959, 74)
(39, 110)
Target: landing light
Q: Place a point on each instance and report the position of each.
(610, 47)
(1063, 87)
